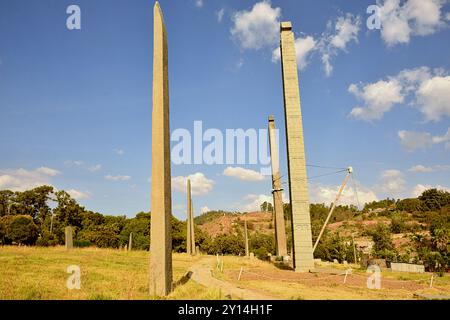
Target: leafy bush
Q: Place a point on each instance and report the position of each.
(47, 239)
(103, 236)
(383, 247)
(82, 243)
(262, 244)
(19, 229)
(398, 224)
(434, 200)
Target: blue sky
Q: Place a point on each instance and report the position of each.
(75, 105)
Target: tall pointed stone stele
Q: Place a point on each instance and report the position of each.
(193, 247)
(247, 253)
(298, 185)
(190, 238)
(68, 233)
(130, 242)
(280, 229)
(161, 199)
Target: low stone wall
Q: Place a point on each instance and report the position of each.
(407, 267)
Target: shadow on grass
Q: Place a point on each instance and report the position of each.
(183, 280)
(283, 266)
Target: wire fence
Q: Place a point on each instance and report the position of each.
(431, 282)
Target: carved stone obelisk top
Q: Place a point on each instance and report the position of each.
(280, 229)
(161, 199)
(298, 186)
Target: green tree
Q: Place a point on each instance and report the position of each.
(140, 227)
(6, 201)
(68, 212)
(33, 202)
(103, 236)
(409, 205)
(19, 229)
(434, 200)
(383, 246)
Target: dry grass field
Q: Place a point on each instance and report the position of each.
(41, 273)
(106, 274)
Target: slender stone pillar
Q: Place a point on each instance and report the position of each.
(130, 242)
(192, 230)
(68, 232)
(190, 235)
(280, 227)
(298, 186)
(188, 221)
(247, 254)
(161, 198)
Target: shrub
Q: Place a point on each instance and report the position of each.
(19, 229)
(47, 239)
(82, 243)
(398, 224)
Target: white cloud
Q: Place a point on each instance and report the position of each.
(327, 194)
(423, 169)
(119, 152)
(400, 21)
(428, 90)
(433, 98)
(412, 140)
(199, 3)
(258, 27)
(220, 14)
(419, 188)
(304, 46)
(48, 171)
(243, 174)
(95, 168)
(117, 178)
(420, 169)
(378, 98)
(447, 16)
(200, 185)
(22, 179)
(252, 202)
(205, 209)
(78, 195)
(73, 163)
(392, 182)
(346, 30)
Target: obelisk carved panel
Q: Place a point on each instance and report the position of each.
(298, 184)
(161, 199)
(280, 229)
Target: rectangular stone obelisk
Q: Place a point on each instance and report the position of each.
(298, 184)
(189, 224)
(130, 242)
(161, 198)
(280, 226)
(193, 247)
(68, 233)
(247, 253)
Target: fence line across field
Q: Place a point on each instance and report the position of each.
(345, 273)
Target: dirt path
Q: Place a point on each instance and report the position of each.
(202, 274)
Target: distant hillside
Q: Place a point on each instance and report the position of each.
(217, 223)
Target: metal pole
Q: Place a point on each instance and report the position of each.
(349, 170)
